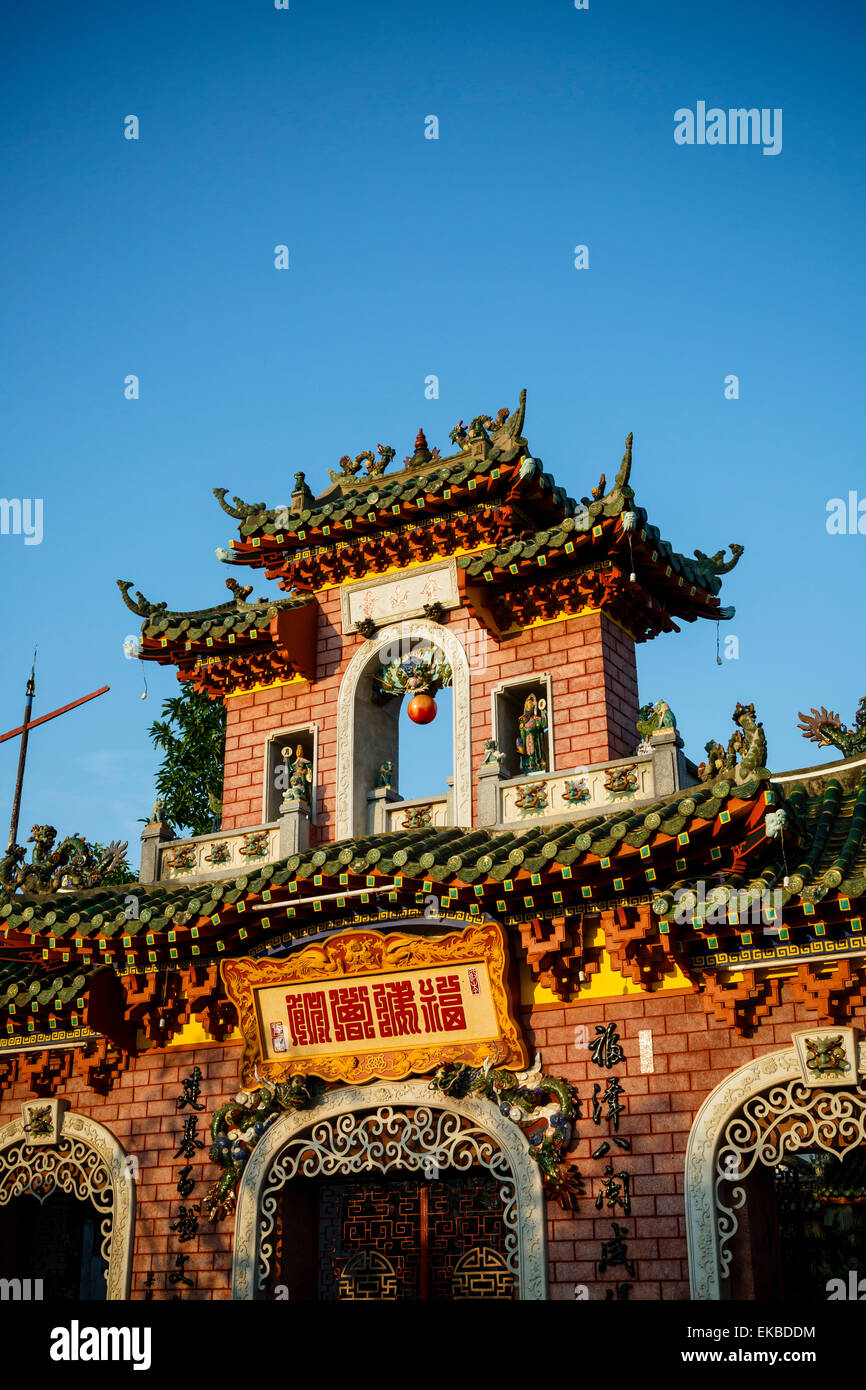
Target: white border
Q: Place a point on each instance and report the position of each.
(531, 1216)
(288, 733)
(348, 794)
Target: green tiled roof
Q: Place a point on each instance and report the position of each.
(218, 622)
(592, 861)
(384, 493)
(551, 543)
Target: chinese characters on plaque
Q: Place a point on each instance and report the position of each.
(363, 1004)
(372, 1013)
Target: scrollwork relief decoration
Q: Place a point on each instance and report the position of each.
(87, 1163)
(782, 1121)
(380, 1142)
(386, 1128)
(759, 1114)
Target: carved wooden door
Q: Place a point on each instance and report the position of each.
(403, 1238)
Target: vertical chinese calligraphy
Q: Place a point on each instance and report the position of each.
(607, 1052)
(186, 1222)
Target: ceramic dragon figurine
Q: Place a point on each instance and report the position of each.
(74, 864)
(350, 467)
(503, 432)
(238, 1126)
(824, 727)
(746, 754)
(543, 1106)
(653, 717)
(376, 467)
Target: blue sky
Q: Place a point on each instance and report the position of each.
(411, 257)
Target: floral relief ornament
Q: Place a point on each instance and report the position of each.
(827, 1056)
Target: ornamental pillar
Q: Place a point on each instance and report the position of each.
(155, 834)
(295, 817)
(378, 801)
(489, 794)
(669, 764)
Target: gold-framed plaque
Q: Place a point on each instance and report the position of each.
(363, 1005)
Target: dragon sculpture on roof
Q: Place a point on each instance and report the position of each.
(75, 863)
(825, 728)
(746, 753)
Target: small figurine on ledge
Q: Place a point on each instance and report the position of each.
(300, 786)
(386, 772)
(531, 742)
(491, 754)
(653, 717)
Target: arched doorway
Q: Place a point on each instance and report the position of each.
(367, 733)
(67, 1209)
(775, 1184)
(53, 1239)
(388, 1194)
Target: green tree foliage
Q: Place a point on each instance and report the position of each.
(191, 737)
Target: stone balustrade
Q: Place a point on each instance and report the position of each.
(657, 770)
(419, 813)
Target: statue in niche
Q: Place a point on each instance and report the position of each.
(300, 786)
(531, 742)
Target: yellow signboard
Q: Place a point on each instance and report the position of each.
(363, 1005)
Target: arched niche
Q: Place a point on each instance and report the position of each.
(383, 1128)
(367, 732)
(86, 1162)
(756, 1116)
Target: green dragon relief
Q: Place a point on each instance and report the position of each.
(825, 728)
(74, 864)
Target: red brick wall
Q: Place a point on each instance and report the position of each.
(595, 702)
(593, 671)
(141, 1112)
(692, 1055)
(252, 717)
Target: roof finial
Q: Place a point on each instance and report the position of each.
(422, 453)
(624, 473)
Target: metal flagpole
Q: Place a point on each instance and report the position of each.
(22, 754)
(24, 730)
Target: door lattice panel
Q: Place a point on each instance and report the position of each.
(356, 1218)
(410, 1239)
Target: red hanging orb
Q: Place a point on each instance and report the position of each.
(422, 709)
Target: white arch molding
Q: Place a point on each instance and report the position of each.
(351, 795)
(756, 1115)
(88, 1163)
(382, 1128)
